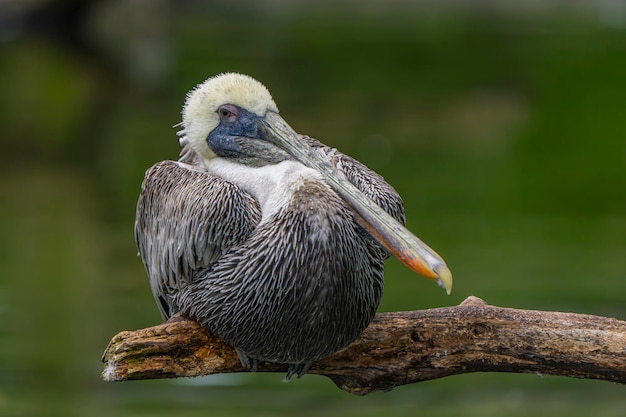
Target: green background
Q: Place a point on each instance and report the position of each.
(503, 127)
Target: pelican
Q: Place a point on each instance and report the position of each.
(270, 239)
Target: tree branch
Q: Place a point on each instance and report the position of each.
(400, 348)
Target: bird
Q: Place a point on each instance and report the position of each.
(269, 239)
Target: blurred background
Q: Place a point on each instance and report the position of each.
(502, 125)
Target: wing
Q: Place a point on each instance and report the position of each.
(186, 219)
(369, 182)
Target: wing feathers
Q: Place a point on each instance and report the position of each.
(186, 218)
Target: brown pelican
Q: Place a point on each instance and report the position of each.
(272, 240)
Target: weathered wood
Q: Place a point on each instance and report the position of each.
(401, 348)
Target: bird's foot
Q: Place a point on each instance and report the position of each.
(247, 362)
(298, 369)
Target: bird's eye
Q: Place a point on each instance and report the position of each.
(227, 113)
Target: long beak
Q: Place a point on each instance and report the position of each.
(397, 239)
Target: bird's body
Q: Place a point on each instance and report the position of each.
(276, 266)
(259, 248)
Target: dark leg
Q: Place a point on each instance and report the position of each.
(298, 369)
(247, 361)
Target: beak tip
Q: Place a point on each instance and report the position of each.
(444, 278)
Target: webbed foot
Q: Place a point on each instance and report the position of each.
(298, 369)
(246, 361)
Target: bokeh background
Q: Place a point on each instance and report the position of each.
(502, 125)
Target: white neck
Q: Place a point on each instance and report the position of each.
(271, 185)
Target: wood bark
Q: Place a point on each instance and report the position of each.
(400, 348)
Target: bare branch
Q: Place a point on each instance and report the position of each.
(401, 348)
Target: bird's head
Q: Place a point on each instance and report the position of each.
(234, 116)
(221, 117)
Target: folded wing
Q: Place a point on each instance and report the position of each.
(186, 219)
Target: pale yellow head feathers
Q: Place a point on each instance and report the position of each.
(200, 110)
